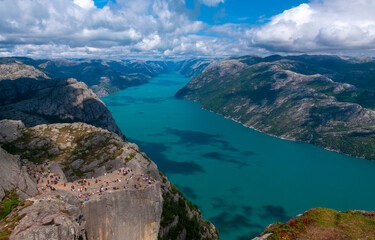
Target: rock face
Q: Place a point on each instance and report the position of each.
(54, 216)
(84, 151)
(323, 223)
(14, 178)
(319, 100)
(127, 214)
(193, 67)
(53, 100)
(17, 70)
(10, 130)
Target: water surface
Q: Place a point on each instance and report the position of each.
(242, 180)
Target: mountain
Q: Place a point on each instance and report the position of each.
(193, 67)
(324, 223)
(104, 77)
(38, 101)
(324, 100)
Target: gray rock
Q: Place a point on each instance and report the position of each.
(124, 214)
(53, 216)
(10, 130)
(56, 169)
(47, 101)
(12, 176)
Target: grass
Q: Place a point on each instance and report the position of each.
(9, 203)
(324, 223)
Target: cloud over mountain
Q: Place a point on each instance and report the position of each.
(320, 26)
(167, 29)
(76, 28)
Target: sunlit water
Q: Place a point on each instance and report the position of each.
(242, 180)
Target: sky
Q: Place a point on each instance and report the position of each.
(167, 29)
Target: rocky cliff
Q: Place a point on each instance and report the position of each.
(193, 67)
(79, 151)
(38, 101)
(323, 223)
(53, 216)
(296, 98)
(14, 178)
(132, 214)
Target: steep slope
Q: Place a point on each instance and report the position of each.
(323, 223)
(79, 151)
(14, 178)
(271, 96)
(53, 100)
(193, 67)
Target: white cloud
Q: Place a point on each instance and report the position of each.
(211, 3)
(320, 26)
(85, 3)
(130, 28)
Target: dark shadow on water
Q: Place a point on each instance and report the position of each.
(248, 210)
(227, 222)
(223, 158)
(220, 203)
(143, 100)
(115, 104)
(188, 137)
(156, 152)
(248, 153)
(274, 212)
(188, 191)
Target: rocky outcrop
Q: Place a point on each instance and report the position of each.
(126, 214)
(10, 130)
(84, 151)
(294, 98)
(14, 178)
(324, 223)
(17, 70)
(54, 216)
(81, 150)
(54, 100)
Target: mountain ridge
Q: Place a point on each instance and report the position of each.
(272, 96)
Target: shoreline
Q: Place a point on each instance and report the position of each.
(283, 138)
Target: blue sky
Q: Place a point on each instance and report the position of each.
(167, 29)
(233, 11)
(241, 11)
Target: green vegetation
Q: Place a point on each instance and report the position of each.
(179, 208)
(171, 209)
(36, 154)
(323, 223)
(10, 202)
(130, 157)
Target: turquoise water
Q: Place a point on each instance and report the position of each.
(242, 180)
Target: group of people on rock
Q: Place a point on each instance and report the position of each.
(83, 189)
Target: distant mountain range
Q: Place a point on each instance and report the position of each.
(328, 101)
(104, 77)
